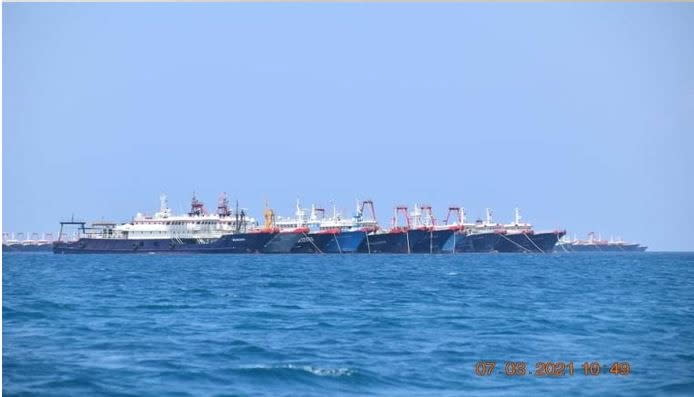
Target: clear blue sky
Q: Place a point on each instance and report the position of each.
(580, 114)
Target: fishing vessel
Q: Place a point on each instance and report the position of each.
(394, 240)
(289, 231)
(351, 232)
(19, 242)
(336, 234)
(315, 237)
(519, 236)
(227, 231)
(480, 236)
(164, 232)
(597, 244)
(339, 235)
(428, 237)
(401, 238)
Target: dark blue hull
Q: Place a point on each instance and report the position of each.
(526, 242)
(27, 248)
(241, 243)
(282, 243)
(345, 242)
(394, 242)
(516, 242)
(431, 242)
(377, 243)
(457, 243)
(475, 242)
(312, 243)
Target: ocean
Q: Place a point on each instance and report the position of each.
(316, 325)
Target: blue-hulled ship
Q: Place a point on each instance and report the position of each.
(480, 236)
(433, 237)
(164, 232)
(418, 233)
(291, 230)
(348, 234)
(335, 234)
(395, 240)
(520, 237)
(308, 238)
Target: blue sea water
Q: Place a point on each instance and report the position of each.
(351, 324)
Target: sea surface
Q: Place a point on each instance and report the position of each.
(315, 325)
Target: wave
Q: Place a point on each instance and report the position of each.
(318, 371)
(310, 374)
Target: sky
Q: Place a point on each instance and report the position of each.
(581, 115)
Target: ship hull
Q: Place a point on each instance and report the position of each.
(345, 242)
(377, 243)
(282, 243)
(312, 243)
(600, 248)
(394, 242)
(527, 242)
(27, 247)
(241, 243)
(431, 242)
(547, 241)
(458, 242)
(475, 242)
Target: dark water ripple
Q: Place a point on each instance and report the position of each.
(317, 325)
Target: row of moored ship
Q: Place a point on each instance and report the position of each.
(27, 242)
(308, 231)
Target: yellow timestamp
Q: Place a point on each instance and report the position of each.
(551, 368)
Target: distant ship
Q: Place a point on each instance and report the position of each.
(593, 244)
(194, 232)
(18, 242)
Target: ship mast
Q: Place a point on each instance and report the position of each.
(361, 219)
(488, 216)
(401, 209)
(196, 207)
(455, 211)
(269, 216)
(163, 203)
(223, 206)
(239, 217)
(428, 215)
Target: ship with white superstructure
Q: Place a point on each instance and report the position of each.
(27, 242)
(520, 236)
(596, 244)
(198, 231)
(334, 234)
(313, 231)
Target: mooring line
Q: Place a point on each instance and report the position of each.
(533, 243)
(310, 240)
(513, 242)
